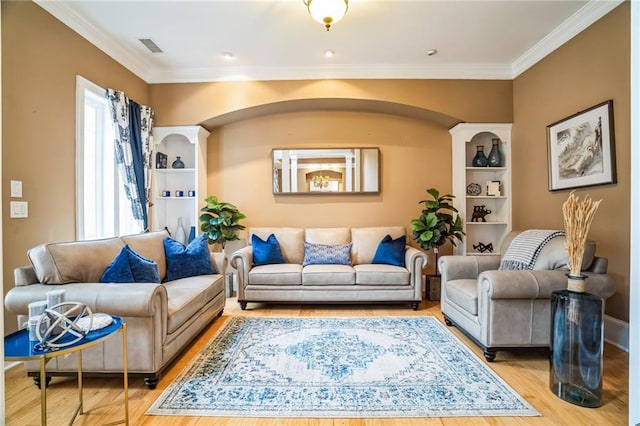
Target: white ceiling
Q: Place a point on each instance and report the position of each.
(278, 40)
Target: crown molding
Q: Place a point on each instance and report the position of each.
(576, 23)
(127, 58)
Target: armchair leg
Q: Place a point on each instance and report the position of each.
(243, 305)
(151, 382)
(489, 355)
(414, 305)
(447, 321)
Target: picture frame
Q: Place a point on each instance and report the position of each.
(581, 149)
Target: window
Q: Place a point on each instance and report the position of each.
(103, 209)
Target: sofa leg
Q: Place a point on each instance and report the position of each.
(220, 313)
(489, 355)
(414, 305)
(151, 382)
(448, 322)
(243, 305)
(36, 381)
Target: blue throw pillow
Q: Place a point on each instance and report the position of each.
(326, 254)
(188, 261)
(266, 252)
(129, 267)
(391, 251)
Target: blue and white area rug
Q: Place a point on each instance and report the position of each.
(337, 368)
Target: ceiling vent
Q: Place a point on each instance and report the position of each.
(150, 44)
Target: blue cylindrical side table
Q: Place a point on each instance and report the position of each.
(577, 343)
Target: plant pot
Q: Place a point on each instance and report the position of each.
(576, 347)
(433, 287)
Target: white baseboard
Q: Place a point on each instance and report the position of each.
(616, 332)
(9, 365)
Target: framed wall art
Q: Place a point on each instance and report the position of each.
(581, 149)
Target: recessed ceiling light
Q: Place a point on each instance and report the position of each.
(329, 53)
(228, 56)
(431, 52)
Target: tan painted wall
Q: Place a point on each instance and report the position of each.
(414, 156)
(589, 69)
(466, 100)
(40, 60)
(416, 153)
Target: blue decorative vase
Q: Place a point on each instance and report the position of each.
(495, 156)
(192, 234)
(577, 343)
(178, 164)
(480, 160)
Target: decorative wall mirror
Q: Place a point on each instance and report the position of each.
(326, 171)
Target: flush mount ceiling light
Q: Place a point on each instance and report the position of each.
(327, 12)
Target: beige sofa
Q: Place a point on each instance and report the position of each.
(359, 282)
(507, 309)
(161, 318)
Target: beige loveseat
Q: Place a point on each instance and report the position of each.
(161, 318)
(506, 309)
(359, 282)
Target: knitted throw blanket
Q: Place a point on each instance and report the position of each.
(525, 248)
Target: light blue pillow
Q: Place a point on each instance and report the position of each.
(390, 251)
(129, 267)
(326, 254)
(266, 252)
(188, 261)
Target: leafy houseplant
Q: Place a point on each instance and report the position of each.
(220, 221)
(437, 224)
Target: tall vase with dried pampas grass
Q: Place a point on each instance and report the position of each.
(577, 317)
(578, 216)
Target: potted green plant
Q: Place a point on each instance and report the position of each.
(220, 221)
(438, 223)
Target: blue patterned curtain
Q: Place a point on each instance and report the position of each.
(133, 151)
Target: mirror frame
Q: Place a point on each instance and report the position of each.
(327, 174)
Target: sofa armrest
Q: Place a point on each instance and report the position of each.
(242, 261)
(537, 284)
(126, 300)
(466, 267)
(415, 260)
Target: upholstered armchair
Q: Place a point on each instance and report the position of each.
(506, 309)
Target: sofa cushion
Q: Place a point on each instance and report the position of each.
(464, 293)
(266, 252)
(281, 274)
(150, 246)
(188, 261)
(73, 262)
(186, 296)
(291, 241)
(130, 267)
(330, 236)
(328, 275)
(327, 254)
(379, 274)
(553, 254)
(365, 241)
(390, 251)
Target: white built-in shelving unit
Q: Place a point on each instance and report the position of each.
(465, 138)
(190, 144)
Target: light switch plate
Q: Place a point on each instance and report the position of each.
(19, 209)
(16, 188)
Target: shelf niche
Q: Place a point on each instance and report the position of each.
(465, 138)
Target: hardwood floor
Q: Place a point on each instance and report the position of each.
(526, 372)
